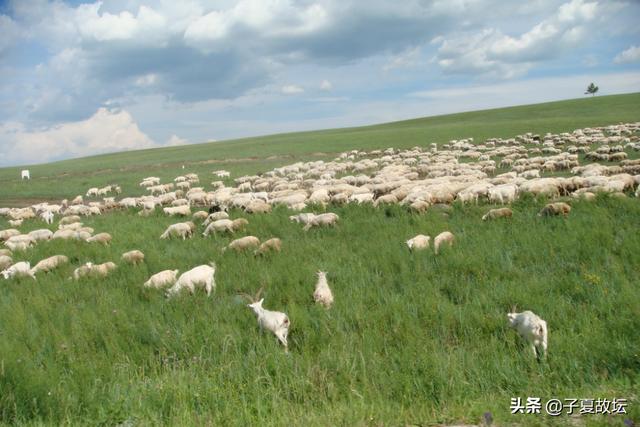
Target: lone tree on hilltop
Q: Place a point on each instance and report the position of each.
(591, 89)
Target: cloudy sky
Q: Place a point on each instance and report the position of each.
(80, 78)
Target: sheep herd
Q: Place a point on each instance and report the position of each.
(497, 171)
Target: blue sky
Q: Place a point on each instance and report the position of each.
(81, 78)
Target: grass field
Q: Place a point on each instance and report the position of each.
(413, 339)
(252, 155)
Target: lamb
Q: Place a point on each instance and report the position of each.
(103, 238)
(498, 213)
(42, 234)
(202, 276)
(322, 219)
(532, 329)
(5, 262)
(558, 208)
(441, 238)
(178, 210)
(180, 229)
(225, 225)
(51, 263)
(322, 294)
(162, 279)
(243, 243)
(274, 321)
(19, 269)
(418, 242)
(47, 216)
(133, 257)
(98, 270)
(273, 244)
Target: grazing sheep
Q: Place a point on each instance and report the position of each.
(441, 238)
(558, 208)
(202, 276)
(274, 321)
(5, 252)
(16, 223)
(419, 206)
(322, 294)
(133, 257)
(47, 216)
(322, 220)
(303, 218)
(215, 216)
(103, 238)
(273, 244)
(51, 263)
(418, 242)
(69, 219)
(180, 229)
(225, 225)
(5, 262)
(19, 269)
(8, 233)
(532, 329)
(97, 270)
(178, 210)
(200, 215)
(21, 245)
(77, 201)
(42, 234)
(498, 213)
(162, 279)
(257, 206)
(243, 243)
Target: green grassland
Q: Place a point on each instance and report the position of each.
(69, 178)
(412, 339)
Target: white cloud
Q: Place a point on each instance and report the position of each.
(291, 89)
(406, 59)
(630, 55)
(147, 80)
(326, 85)
(105, 131)
(175, 140)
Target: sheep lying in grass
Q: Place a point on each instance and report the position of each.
(178, 210)
(444, 237)
(42, 234)
(243, 243)
(102, 238)
(498, 213)
(532, 329)
(5, 262)
(418, 242)
(325, 219)
(558, 208)
(51, 263)
(225, 225)
(274, 321)
(19, 269)
(162, 279)
(273, 244)
(133, 257)
(322, 294)
(201, 276)
(90, 269)
(180, 229)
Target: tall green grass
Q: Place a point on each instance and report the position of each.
(412, 338)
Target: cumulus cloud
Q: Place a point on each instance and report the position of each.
(176, 140)
(105, 131)
(494, 53)
(291, 89)
(627, 56)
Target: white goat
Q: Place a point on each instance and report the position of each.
(532, 329)
(18, 269)
(274, 321)
(322, 294)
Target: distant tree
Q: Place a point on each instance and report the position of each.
(591, 89)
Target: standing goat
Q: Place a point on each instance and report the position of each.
(532, 329)
(275, 321)
(322, 294)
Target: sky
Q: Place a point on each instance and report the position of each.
(82, 78)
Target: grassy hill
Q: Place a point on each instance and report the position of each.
(69, 178)
(412, 339)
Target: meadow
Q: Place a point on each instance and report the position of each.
(412, 339)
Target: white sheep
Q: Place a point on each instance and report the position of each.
(444, 237)
(5, 262)
(180, 229)
(133, 257)
(322, 294)
(8, 233)
(162, 279)
(274, 321)
(243, 243)
(19, 269)
(215, 216)
(103, 238)
(15, 223)
(498, 213)
(418, 242)
(177, 210)
(47, 216)
(532, 329)
(225, 225)
(202, 276)
(98, 270)
(273, 244)
(69, 219)
(51, 263)
(302, 218)
(322, 220)
(42, 234)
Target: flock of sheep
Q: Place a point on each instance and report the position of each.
(417, 178)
